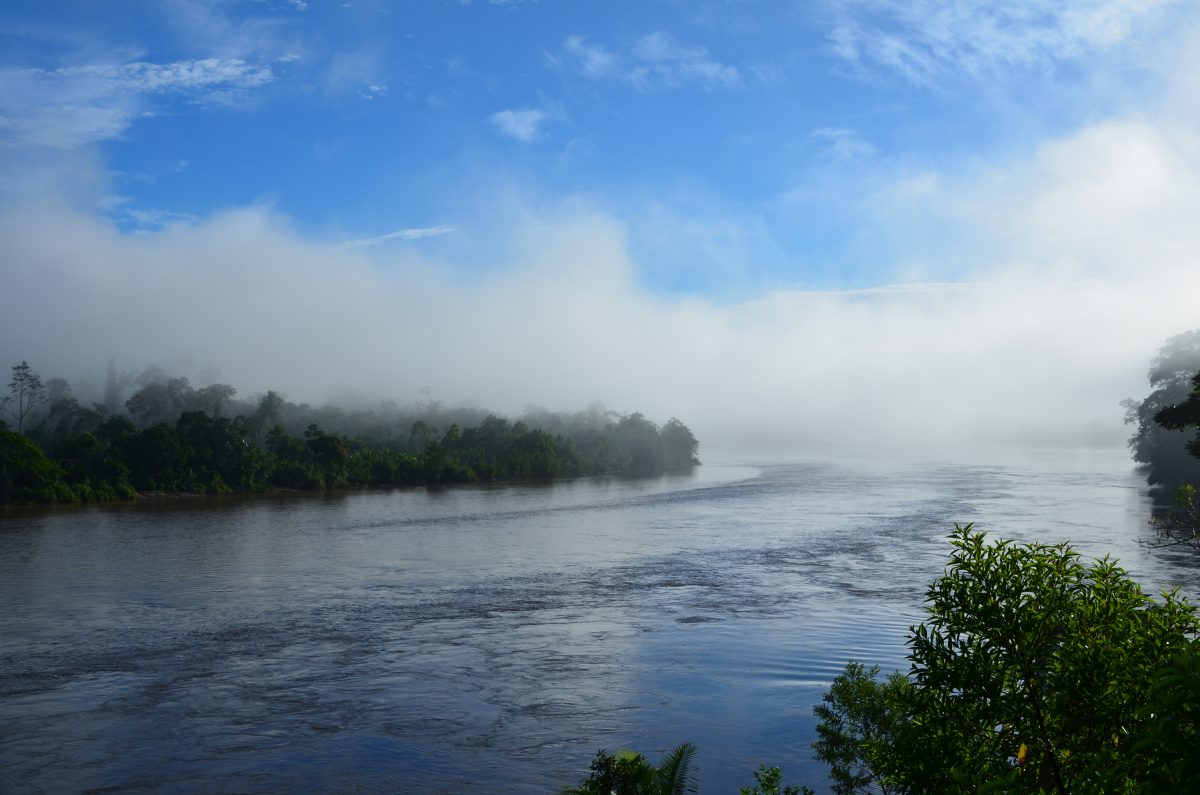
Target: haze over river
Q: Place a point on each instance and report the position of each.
(491, 639)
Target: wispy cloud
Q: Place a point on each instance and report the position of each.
(178, 76)
(929, 41)
(654, 61)
(153, 220)
(842, 143)
(590, 59)
(414, 233)
(68, 107)
(522, 124)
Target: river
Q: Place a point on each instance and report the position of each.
(491, 639)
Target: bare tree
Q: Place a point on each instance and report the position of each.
(26, 392)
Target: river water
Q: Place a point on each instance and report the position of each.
(492, 639)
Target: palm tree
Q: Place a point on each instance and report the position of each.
(628, 773)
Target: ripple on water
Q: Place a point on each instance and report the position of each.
(488, 639)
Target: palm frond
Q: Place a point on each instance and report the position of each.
(675, 773)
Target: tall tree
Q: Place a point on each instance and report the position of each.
(1160, 447)
(26, 392)
(1184, 415)
(211, 398)
(115, 384)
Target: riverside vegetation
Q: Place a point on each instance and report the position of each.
(170, 437)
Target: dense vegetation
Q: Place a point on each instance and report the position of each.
(170, 437)
(1032, 672)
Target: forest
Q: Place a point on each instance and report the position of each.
(170, 437)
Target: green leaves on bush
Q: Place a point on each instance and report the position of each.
(1032, 672)
(628, 773)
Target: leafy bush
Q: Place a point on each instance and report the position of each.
(628, 773)
(1031, 673)
(769, 781)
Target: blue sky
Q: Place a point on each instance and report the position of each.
(728, 156)
(362, 119)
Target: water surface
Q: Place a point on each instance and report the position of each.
(491, 639)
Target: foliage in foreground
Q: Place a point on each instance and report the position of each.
(1032, 672)
(628, 773)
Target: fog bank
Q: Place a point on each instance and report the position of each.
(1072, 267)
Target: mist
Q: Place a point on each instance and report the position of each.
(1026, 304)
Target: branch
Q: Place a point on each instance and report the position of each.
(1179, 528)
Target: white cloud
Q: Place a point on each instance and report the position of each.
(179, 76)
(655, 61)
(72, 106)
(1081, 259)
(148, 220)
(593, 61)
(842, 143)
(1103, 202)
(522, 124)
(415, 233)
(226, 30)
(930, 41)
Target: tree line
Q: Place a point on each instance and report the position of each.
(169, 436)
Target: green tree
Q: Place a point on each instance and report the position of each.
(161, 401)
(25, 393)
(679, 445)
(640, 445)
(1183, 416)
(211, 399)
(1162, 448)
(628, 773)
(26, 475)
(862, 726)
(1032, 672)
(1171, 743)
(266, 414)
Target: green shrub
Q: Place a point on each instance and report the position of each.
(1032, 672)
